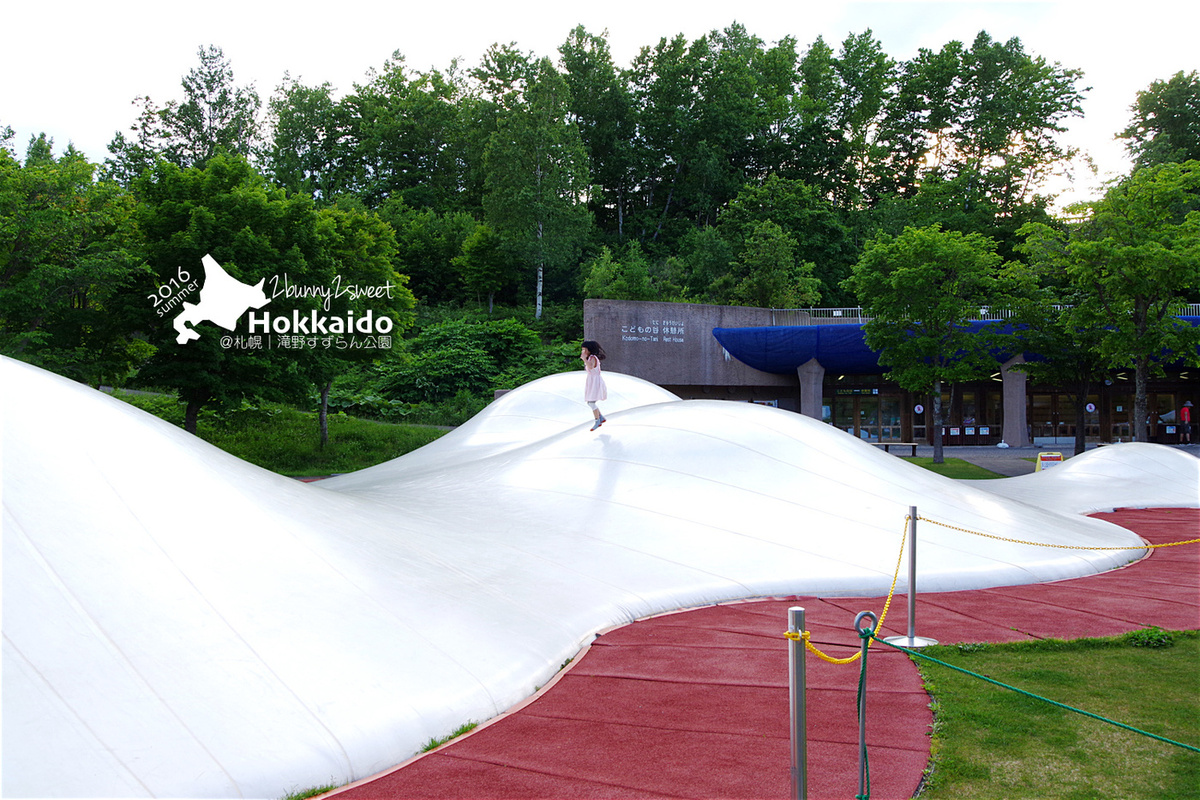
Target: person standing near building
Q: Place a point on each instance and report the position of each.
(1185, 418)
(594, 389)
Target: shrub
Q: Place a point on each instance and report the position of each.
(163, 406)
(438, 374)
(1152, 636)
(451, 412)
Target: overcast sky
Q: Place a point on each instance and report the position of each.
(71, 69)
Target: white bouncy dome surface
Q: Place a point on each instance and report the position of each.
(178, 623)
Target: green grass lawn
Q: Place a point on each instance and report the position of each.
(285, 440)
(989, 742)
(290, 444)
(955, 468)
(996, 744)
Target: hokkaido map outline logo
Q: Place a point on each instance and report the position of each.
(223, 300)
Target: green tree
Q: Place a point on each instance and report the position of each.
(807, 216)
(537, 176)
(486, 265)
(602, 109)
(712, 115)
(820, 146)
(624, 276)
(359, 249)
(72, 274)
(663, 83)
(1166, 122)
(215, 116)
(307, 143)
(731, 117)
(702, 268)
(971, 134)
(772, 278)
(1066, 351)
(917, 109)
(1009, 111)
(866, 75)
(504, 75)
(920, 289)
(778, 76)
(428, 244)
(254, 232)
(402, 137)
(944, 201)
(1134, 261)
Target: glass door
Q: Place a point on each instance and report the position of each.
(889, 420)
(845, 415)
(970, 421)
(1121, 418)
(868, 418)
(1045, 423)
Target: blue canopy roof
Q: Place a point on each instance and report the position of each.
(780, 349)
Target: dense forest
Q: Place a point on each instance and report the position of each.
(496, 197)
(672, 163)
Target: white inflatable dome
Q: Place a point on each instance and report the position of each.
(178, 623)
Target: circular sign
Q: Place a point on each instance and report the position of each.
(1091, 408)
(918, 408)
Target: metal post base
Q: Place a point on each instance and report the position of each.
(910, 641)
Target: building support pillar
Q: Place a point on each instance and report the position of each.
(1016, 423)
(812, 388)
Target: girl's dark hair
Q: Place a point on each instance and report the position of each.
(595, 349)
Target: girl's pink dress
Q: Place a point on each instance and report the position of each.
(594, 390)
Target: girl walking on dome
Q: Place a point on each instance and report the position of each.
(594, 389)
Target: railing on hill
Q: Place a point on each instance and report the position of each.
(854, 315)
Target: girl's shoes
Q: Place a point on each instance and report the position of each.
(599, 422)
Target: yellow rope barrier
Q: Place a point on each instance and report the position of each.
(1145, 546)
(805, 637)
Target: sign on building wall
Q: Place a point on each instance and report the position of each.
(672, 344)
(663, 331)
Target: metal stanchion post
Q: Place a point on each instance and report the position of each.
(796, 689)
(912, 640)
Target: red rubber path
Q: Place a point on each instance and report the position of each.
(695, 704)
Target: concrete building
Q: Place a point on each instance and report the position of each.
(815, 362)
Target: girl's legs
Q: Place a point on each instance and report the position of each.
(600, 420)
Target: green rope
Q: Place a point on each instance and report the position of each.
(862, 689)
(1039, 697)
